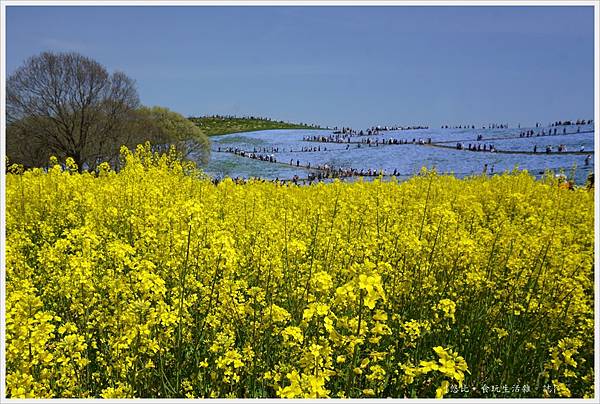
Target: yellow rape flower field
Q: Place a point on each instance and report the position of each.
(153, 282)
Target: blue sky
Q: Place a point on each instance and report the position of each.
(356, 66)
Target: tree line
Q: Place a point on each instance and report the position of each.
(68, 105)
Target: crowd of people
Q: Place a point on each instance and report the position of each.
(309, 149)
(333, 138)
(389, 141)
(374, 136)
(562, 148)
(345, 134)
(319, 171)
(476, 147)
(343, 138)
(458, 127)
(577, 122)
(274, 150)
(252, 155)
(537, 124)
(374, 130)
(490, 126)
(551, 132)
(326, 171)
(296, 180)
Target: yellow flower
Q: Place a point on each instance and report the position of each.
(148, 280)
(442, 390)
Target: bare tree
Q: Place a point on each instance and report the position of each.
(70, 105)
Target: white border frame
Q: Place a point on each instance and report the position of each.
(175, 3)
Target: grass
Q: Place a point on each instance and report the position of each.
(222, 125)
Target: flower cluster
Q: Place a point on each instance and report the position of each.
(154, 282)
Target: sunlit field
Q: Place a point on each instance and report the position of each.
(154, 282)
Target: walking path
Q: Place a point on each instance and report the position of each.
(344, 141)
(324, 171)
(514, 137)
(508, 151)
(442, 145)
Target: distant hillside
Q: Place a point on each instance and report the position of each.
(222, 125)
